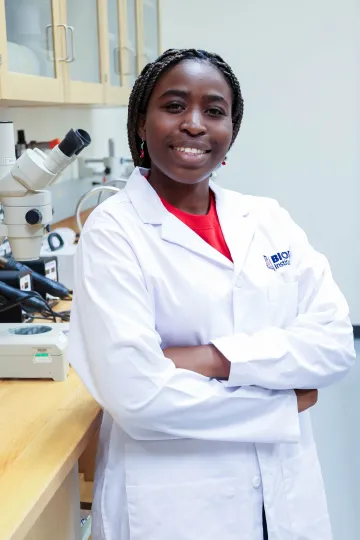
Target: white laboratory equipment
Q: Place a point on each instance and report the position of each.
(26, 205)
(110, 167)
(32, 351)
(65, 260)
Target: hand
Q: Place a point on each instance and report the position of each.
(306, 399)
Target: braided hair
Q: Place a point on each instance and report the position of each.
(144, 85)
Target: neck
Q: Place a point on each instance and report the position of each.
(191, 198)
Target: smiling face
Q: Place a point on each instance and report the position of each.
(188, 124)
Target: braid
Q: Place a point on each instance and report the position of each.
(149, 76)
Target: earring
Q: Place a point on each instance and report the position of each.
(142, 151)
(224, 162)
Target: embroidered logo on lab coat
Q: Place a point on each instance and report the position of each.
(278, 260)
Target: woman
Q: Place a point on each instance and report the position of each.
(197, 313)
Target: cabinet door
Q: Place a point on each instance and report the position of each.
(151, 34)
(30, 47)
(148, 31)
(83, 35)
(131, 48)
(114, 57)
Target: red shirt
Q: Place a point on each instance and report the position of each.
(206, 226)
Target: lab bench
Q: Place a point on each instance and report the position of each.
(45, 428)
(48, 441)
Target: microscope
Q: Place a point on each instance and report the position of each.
(29, 350)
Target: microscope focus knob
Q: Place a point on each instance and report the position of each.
(33, 217)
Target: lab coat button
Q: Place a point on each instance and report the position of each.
(257, 482)
(239, 282)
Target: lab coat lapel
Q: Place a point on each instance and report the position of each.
(176, 232)
(151, 210)
(144, 198)
(237, 225)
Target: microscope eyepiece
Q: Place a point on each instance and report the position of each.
(74, 142)
(86, 139)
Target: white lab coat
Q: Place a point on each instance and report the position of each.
(182, 457)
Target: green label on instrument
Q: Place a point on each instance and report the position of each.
(42, 358)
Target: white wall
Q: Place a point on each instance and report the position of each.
(299, 68)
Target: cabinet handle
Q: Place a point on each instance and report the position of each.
(49, 48)
(117, 60)
(71, 32)
(65, 27)
(129, 50)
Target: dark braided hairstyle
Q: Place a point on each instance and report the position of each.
(144, 85)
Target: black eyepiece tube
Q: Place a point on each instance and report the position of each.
(86, 139)
(70, 143)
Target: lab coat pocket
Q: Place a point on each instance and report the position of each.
(189, 511)
(305, 494)
(283, 303)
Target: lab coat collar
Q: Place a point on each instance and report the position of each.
(144, 198)
(237, 228)
(150, 208)
(237, 225)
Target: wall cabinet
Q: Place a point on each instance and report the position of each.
(75, 51)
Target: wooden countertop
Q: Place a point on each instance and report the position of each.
(45, 427)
